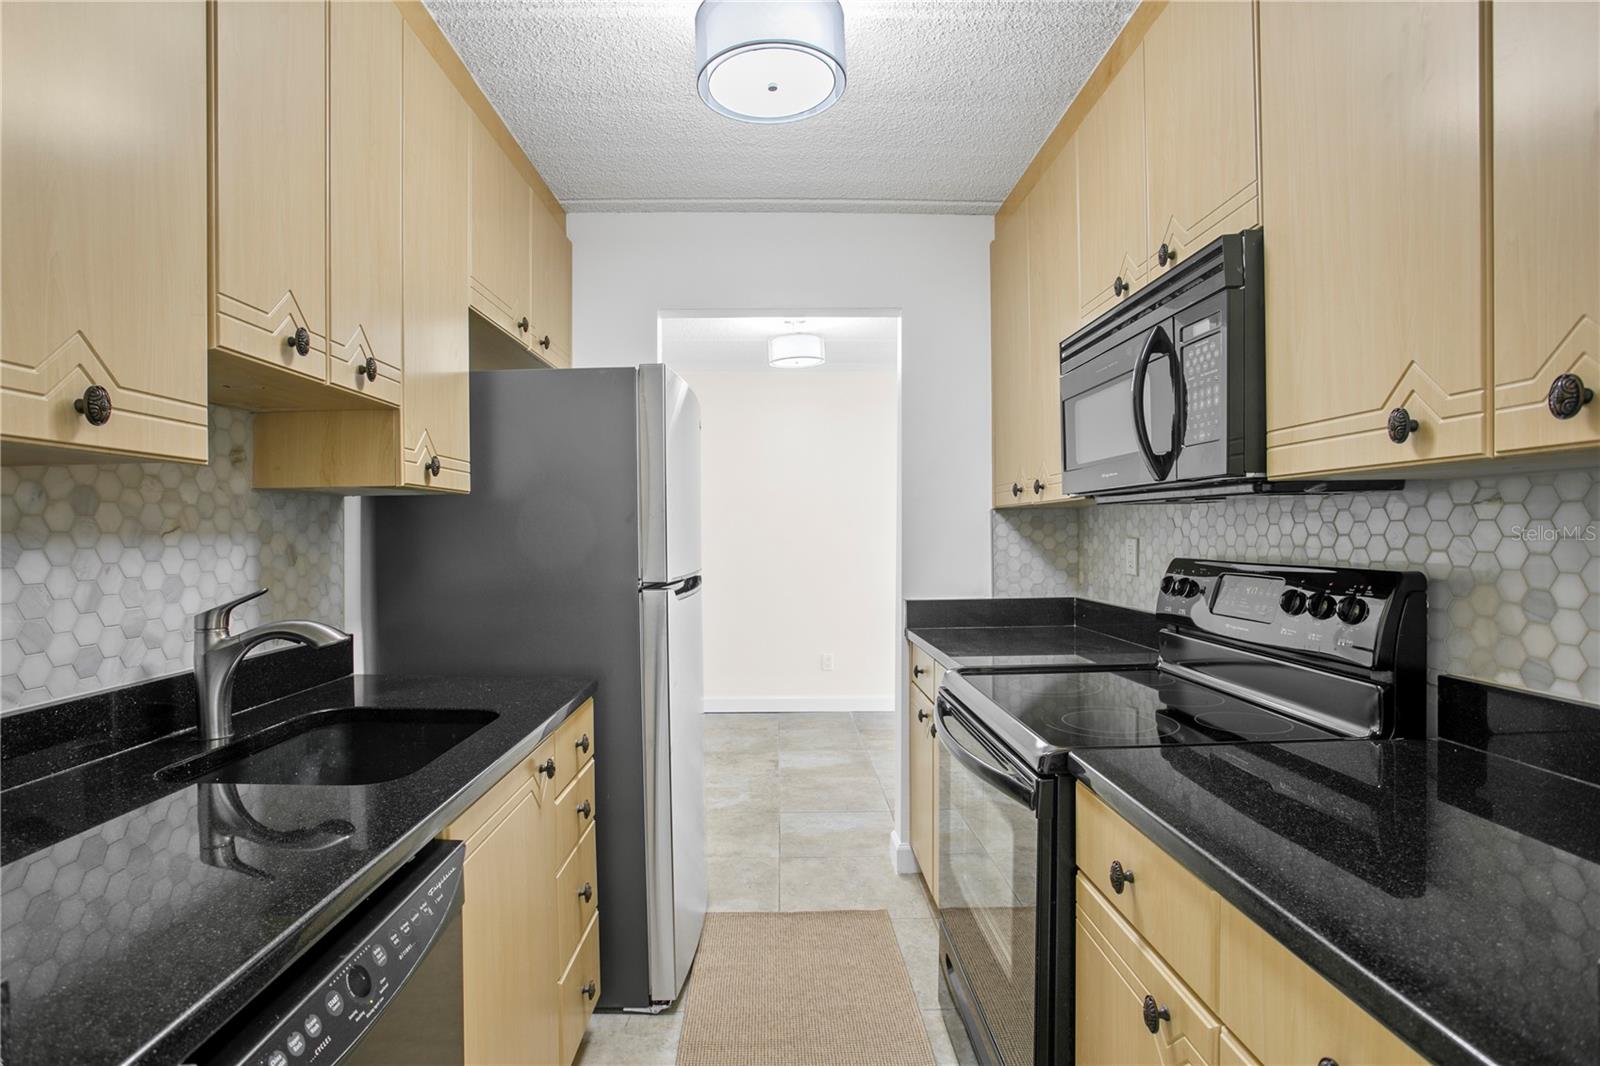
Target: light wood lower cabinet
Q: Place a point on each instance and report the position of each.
(1546, 91)
(924, 785)
(1164, 965)
(530, 934)
(1372, 204)
(102, 203)
(1284, 1011)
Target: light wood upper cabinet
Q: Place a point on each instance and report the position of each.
(1111, 192)
(1012, 411)
(434, 413)
(1371, 157)
(552, 288)
(102, 202)
(1200, 127)
(269, 197)
(1052, 315)
(1546, 88)
(501, 235)
(364, 137)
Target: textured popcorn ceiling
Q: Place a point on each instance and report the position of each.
(946, 103)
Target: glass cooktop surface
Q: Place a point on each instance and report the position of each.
(1062, 710)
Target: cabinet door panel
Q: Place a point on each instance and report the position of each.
(552, 296)
(269, 153)
(502, 924)
(364, 288)
(1546, 219)
(1200, 126)
(1371, 200)
(923, 805)
(502, 281)
(1010, 420)
(434, 413)
(1111, 191)
(1052, 314)
(104, 257)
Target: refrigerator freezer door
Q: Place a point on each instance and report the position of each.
(683, 477)
(675, 864)
(669, 476)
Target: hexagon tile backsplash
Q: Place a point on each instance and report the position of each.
(103, 567)
(1513, 563)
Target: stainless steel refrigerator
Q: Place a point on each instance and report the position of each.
(577, 553)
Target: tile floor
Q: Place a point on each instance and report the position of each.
(797, 819)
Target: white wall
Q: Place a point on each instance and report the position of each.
(798, 537)
(933, 270)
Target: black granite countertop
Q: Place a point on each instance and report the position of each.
(1453, 893)
(138, 915)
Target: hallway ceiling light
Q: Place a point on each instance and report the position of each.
(795, 351)
(770, 60)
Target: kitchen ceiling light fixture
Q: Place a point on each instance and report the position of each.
(795, 351)
(770, 61)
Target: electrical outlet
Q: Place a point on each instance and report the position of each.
(827, 660)
(1130, 556)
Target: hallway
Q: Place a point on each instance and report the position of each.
(798, 816)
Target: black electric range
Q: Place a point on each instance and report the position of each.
(1248, 653)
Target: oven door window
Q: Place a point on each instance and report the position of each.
(988, 887)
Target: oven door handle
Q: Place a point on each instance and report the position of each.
(1006, 778)
(1160, 465)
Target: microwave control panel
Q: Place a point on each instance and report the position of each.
(1205, 382)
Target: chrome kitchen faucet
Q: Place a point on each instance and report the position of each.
(217, 655)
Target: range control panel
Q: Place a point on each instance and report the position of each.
(336, 996)
(1338, 612)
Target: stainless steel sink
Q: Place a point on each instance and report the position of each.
(341, 746)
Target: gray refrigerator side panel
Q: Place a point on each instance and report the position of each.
(536, 572)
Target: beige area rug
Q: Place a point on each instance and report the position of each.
(809, 988)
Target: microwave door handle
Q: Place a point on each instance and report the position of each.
(1160, 465)
(996, 775)
(1180, 404)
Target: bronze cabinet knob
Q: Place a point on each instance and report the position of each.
(1155, 1014)
(586, 893)
(94, 405)
(549, 768)
(584, 809)
(432, 467)
(1165, 255)
(1120, 877)
(1568, 395)
(368, 369)
(589, 990)
(299, 341)
(1401, 425)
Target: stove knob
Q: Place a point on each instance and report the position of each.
(1322, 605)
(1167, 583)
(1352, 610)
(1188, 587)
(1292, 602)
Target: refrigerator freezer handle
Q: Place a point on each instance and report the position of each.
(681, 588)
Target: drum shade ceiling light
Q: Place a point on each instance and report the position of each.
(793, 351)
(770, 60)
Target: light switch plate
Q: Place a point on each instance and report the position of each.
(1130, 556)
(827, 660)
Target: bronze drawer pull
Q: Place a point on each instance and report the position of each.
(586, 893)
(1119, 877)
(584, 810)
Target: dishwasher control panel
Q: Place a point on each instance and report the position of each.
(319, 1013)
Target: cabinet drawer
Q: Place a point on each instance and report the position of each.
(1123, 986)
(577, 735)
(574, 813)
(1167, 904)
(1284, 1011)
(925, 673)
(577, 896)
(578, 991)
(566, 751)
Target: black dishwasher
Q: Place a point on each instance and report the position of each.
(384, 987)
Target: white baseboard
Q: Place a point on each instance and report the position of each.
(900, 855)
(846, 704)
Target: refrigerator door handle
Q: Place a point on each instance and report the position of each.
(681, 588)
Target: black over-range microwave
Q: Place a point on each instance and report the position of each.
(1165, 395)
